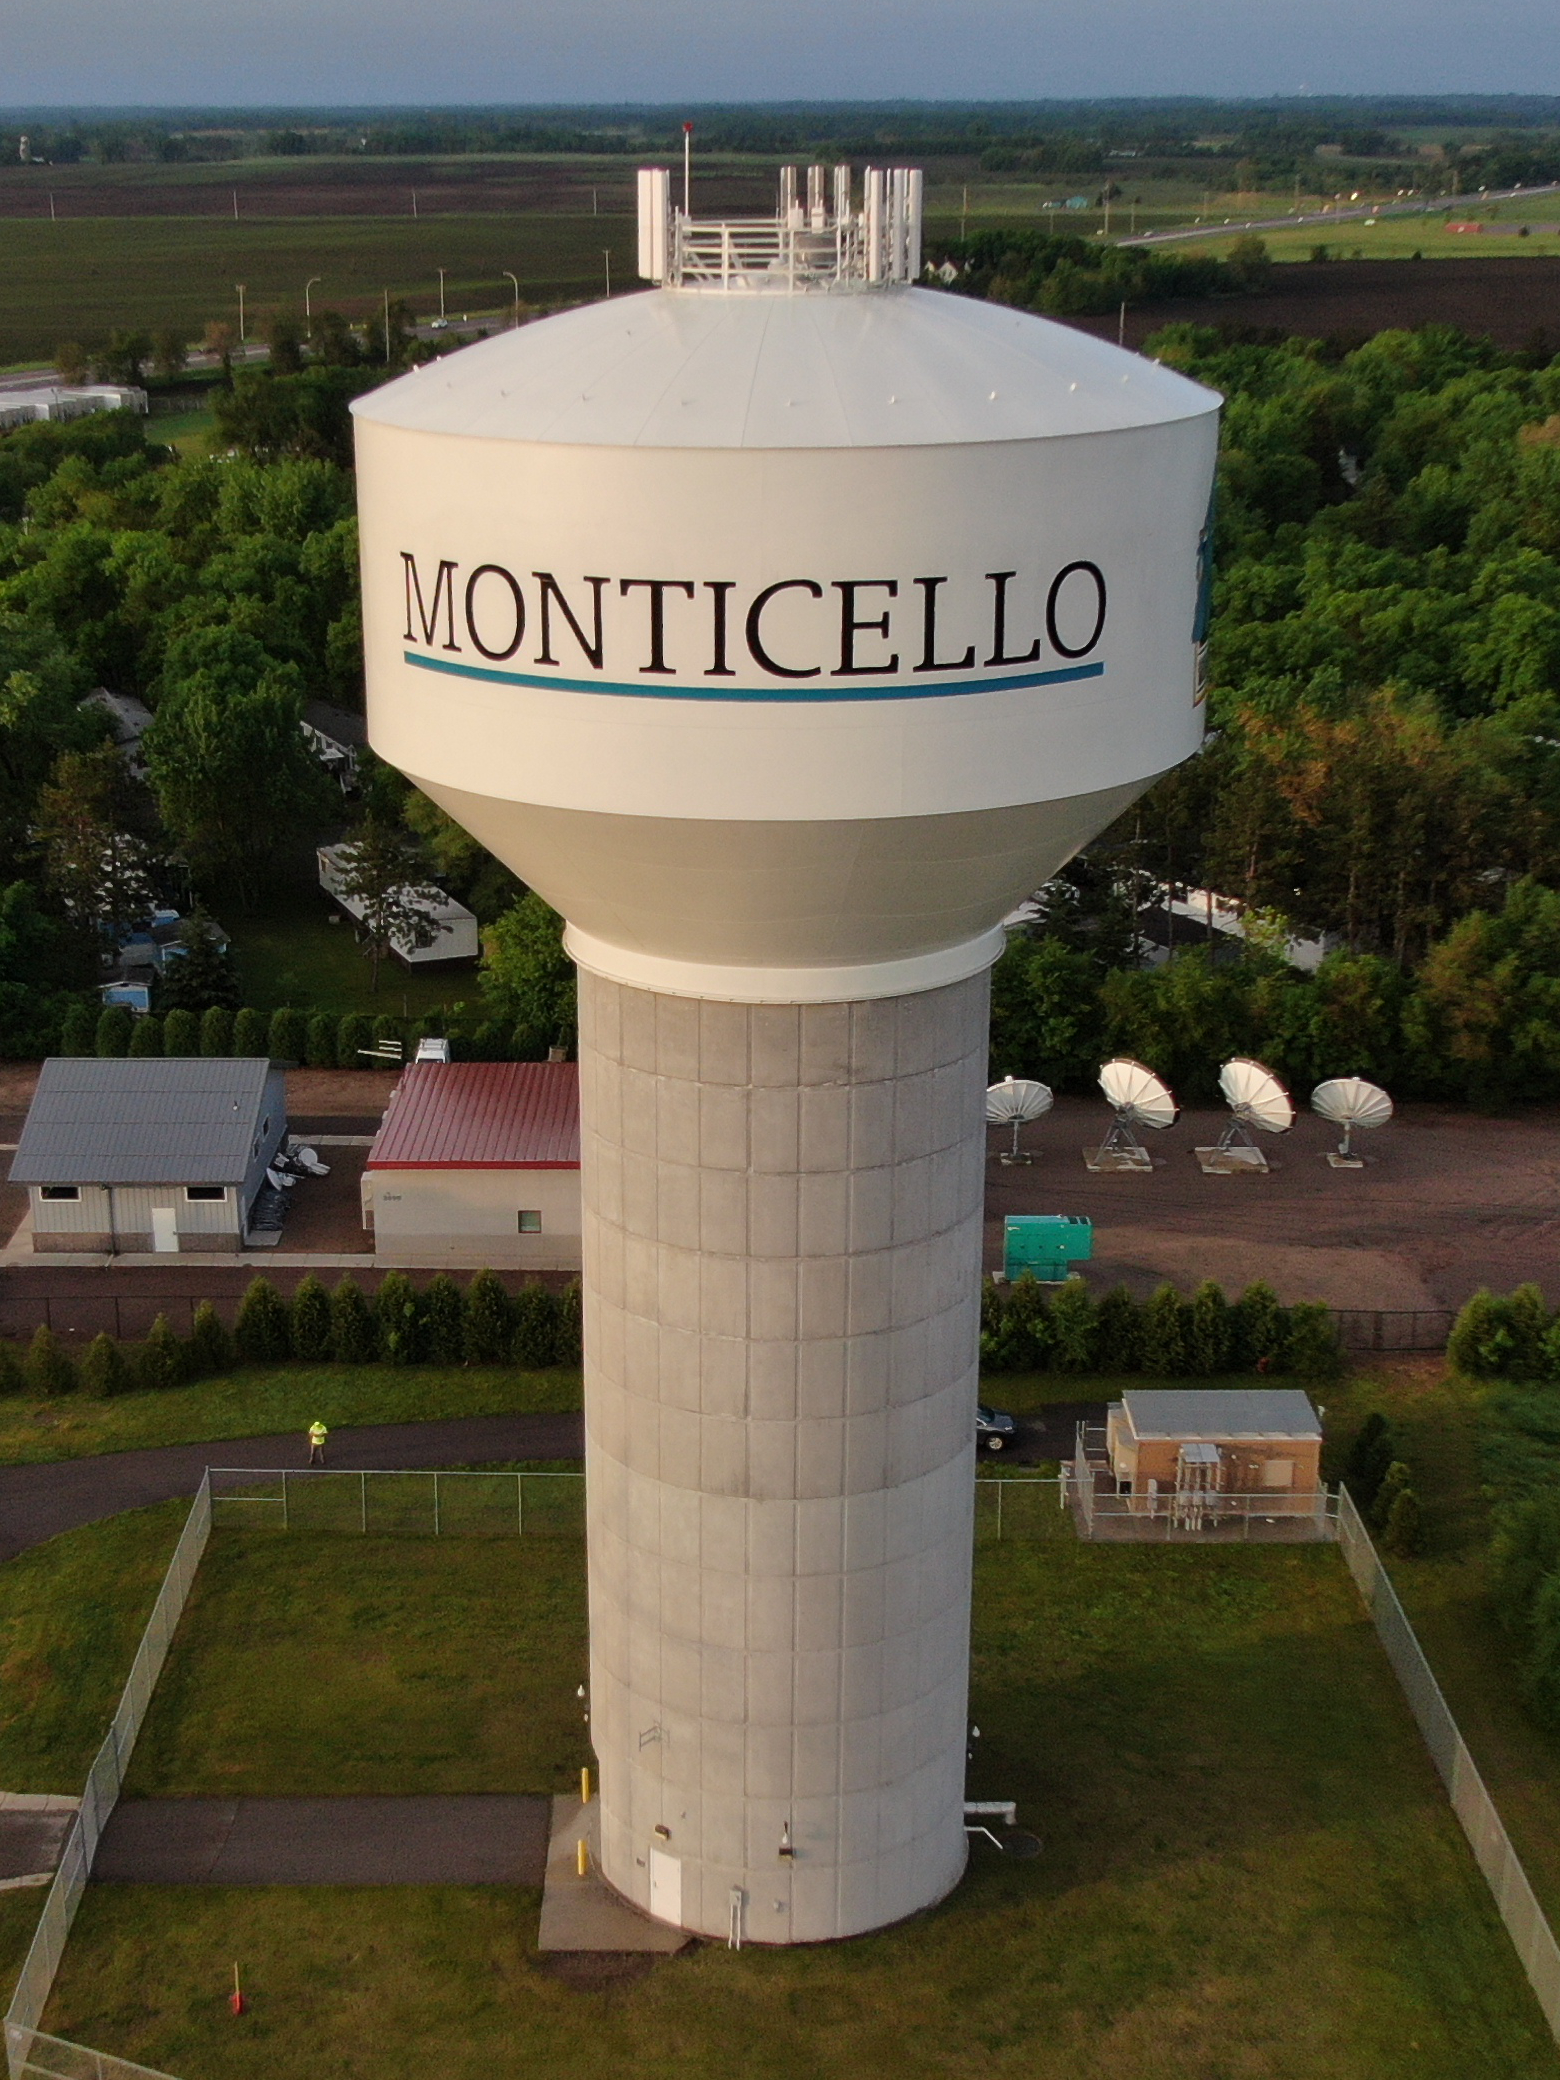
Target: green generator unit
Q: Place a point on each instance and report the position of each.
(1046, 1245)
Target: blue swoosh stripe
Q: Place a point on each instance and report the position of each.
(919, 692)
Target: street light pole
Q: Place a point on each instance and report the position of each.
(308, 309)
(387, 328)
(687, 167)
(516, 280)
(441, 295)
(239, 286)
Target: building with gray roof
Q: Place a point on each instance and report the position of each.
(149, 1155)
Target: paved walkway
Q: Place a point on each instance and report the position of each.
(37, 1502)
(455, 1840)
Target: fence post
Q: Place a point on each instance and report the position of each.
(519, 1505)
(436, 1532)
(363, 1503)
(999, 1512)
(284, 1499)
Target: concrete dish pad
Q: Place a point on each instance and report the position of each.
(583, 1914)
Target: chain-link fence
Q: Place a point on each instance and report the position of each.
(1027, 1506)
(1394, 1328)
(391, 1504)
(1475, 1809)
(27, 2049)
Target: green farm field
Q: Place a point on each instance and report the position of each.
(1250, 1871)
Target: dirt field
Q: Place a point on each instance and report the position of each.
(1452, 1202)
(1508, 299)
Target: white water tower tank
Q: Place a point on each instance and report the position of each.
(784, 626)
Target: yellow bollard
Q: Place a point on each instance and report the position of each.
(584, 1787)
(582, 1857)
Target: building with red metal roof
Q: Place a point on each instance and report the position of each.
(478, 1163)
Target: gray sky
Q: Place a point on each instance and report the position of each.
(299, 52)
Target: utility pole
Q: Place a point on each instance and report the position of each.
(442, 272)
(964, 216)
(414, 202)
(239, 286)
(516, 280)
(606, 254)
(687, 169)
(387, 328)
(52, 218)
(235, 205)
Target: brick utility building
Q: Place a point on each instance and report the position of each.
(1223, 1441)
(478, 1163)
(165, 1155)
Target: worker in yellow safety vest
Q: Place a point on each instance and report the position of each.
(317, 1436)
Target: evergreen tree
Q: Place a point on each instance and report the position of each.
(1211, 1334)
(353, 1035)
(78, 1032)
(1120, 1332)
(1024, 1340)
(311, 1322)
(320, 1041)
(289, 1036)
(1165, 1334)
(1404, 1532)
(163, 1361)
(216, 1032)
(487, 1321)
(1481, 1344)
(1396, 1478)
(571, 1324)
(202, 973)
(1524, 1550)
(115, 1026)
(210, 1346)
(535, 1342)
(1371, 1453)
(1074, 1323)
(1311, 1347)
(181, 1033)
(105, 1371)
(396, 1310)
(1259, 1329)
(443, 1321)
(13, 1379)
(353, 1338)
(1541, 1663)
(1528, 1321)
(146, 1042)
(250, 1035)
(49, 1369)
(260, 1330)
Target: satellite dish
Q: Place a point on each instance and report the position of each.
(1138, 1098)
(1014, 1101)
(1256, 1099)
(1350, 1102)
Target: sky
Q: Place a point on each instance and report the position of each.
(172, 53)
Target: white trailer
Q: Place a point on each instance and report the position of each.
(458, 938)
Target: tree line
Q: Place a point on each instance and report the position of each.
(441, 1324)
(1026, 1326)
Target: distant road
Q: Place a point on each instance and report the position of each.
(1353, 213)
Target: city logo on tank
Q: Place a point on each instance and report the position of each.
(798, 639)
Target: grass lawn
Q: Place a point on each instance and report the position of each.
(290, 953)
(309, 1665)
(261, 1401)
(1250, 1871)
(191, 432)
(1445, 1591)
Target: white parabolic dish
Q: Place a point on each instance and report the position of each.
(1016, 1099)
(1256, 1097)
(1137, 1094)
(1349, 1101)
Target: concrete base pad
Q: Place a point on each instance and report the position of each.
(1232, 1162)
(1108, 1161)
(585, 1914)
(1339, 1162)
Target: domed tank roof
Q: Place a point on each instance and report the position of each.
(888, 368)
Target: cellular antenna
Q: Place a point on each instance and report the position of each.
(1257, 1101)
(687, 169)
(1015, 1101)
(1350, 1102)
(1139, 1099)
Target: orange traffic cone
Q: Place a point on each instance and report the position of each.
(236, 1999)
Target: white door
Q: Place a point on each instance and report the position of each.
(165, 1230)
(666, 1887)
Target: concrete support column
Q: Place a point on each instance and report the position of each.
(782, 1230)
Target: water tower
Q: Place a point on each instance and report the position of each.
(783, 626)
